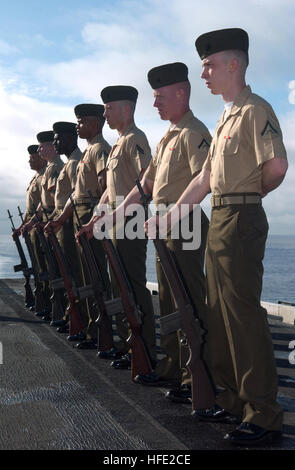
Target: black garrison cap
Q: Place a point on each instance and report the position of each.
(222, 40)
(119, 93)
(167, 74)
(90, 109)
(45, 136)
(33, 149)
(62, 127)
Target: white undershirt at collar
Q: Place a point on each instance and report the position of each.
(227, 107)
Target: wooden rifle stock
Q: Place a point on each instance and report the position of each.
(40, 302)
(140, 362)
(105, 330)
(76, 325)
(203, 395)
(23, 266)
(55, 281)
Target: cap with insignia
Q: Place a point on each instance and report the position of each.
(222, 40)
(33, 149)
(167, 74)
(90, 109)
(119, 93)
(45, 136)
(62, 127)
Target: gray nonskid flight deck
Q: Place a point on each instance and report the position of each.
(54, 397)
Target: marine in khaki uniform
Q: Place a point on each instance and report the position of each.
(33, 196)
(90, 176)
(33, 193)
(47, 151)
(65, 143)
(127, 161)
(48, 186)
(246, 160)
(178, 158)
(51, 174)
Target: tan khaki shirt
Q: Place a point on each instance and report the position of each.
(33, 195)
(179, 155)
(130, 154)
(66, 181)
(48, 183)
(93, 161)
(249, 136)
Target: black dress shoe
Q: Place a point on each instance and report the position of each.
(63, 329)
(78, 337)
(248, 434)
(30, 305)
(123, 363)
(47, 318)
(86, 344)
(182, 394)
(216, 415)
(57, 323)
(151, 380)
(43, 312)
(40, 314)
(113, 353)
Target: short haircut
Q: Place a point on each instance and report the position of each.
(240, 55)
(131, 104)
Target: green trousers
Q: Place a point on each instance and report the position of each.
(191, 266)
(67, 241)
(240, 345)
(85, 213)
(133, 257)
(42, 291)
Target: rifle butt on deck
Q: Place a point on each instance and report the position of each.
(140, 362)
(55, 281)
(96, 290)
(203, 395)
(67, 281)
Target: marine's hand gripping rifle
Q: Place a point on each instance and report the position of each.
(203, 395)
(140, 362)
(23, 266)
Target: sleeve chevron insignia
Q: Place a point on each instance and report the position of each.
(139, 149)
(103, 154)
(204, 144)
(268, 129)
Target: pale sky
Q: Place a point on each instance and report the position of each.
(58, 54)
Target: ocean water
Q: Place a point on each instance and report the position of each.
(279, 266)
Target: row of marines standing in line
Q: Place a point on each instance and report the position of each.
(245, 160)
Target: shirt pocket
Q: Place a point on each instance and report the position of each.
(61, 177)
(43, 182)
(113, 163)
(230, 146)
(34, 189)
(163, 168)
(86, 168)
